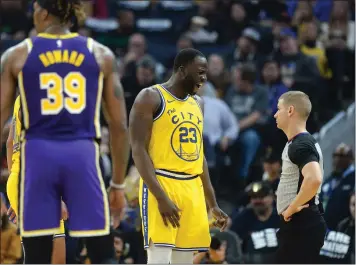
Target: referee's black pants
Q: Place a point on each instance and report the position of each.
(300, 242)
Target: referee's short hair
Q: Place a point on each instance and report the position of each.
(299, 100)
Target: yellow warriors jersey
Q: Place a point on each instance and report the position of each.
(177, 135)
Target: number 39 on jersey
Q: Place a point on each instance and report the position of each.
(67, 93)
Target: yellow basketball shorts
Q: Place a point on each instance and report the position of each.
(12, 193)
(187, 193)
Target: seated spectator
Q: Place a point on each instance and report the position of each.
(198, 32)
(249, 103)
(335, 190)
(220, 130)
(183, 42)
(340, 19)
(272, 169)
(136, 50)
(339, 245)
(272, 79)
(311, 47)
(144, 77)
(299, 72)
(246, 50)
(117, 40)
(347, 226)
(257, 225)
(215, 255)
(234, 23)
(10, 247)
(217, 74)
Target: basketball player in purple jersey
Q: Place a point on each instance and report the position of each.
(62, 78)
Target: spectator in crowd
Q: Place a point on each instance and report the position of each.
(347, 226)
(137, 49)
(298, 71)
(184, 42)
(198, 32)
(271, 78)
(340, 19)
(272, 167)
(144, 76)
(339, 37)
(235, 22)
(246, 50)
(215, 255)
(249, 103)
(257, 224)
(117, 40)
(10, 247)
(335, 190)
(302, 13)
(312, 47)
(220, 132)
(339, 245)
(217, 74)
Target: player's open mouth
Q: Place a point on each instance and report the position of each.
(199, 85)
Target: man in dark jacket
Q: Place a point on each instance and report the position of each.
(336, 189)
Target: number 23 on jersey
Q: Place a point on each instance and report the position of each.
(63, 93)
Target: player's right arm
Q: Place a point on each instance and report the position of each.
(140, 125)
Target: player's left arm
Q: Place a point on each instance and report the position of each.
(219, 215)
(8, 86)
(306, 157)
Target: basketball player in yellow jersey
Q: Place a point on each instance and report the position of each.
(13, 158)
(166, 127)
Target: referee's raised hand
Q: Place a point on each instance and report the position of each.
(287, 214)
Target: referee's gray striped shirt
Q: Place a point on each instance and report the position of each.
(298, 152)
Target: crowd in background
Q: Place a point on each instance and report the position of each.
(256, 51)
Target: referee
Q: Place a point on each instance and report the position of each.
(302, 230)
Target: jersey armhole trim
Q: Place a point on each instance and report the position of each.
(90, 44)
(161, 107)
(29, 45)
(199, 106)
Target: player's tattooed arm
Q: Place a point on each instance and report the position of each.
(8, 87)
(116, 116)
(118, 89)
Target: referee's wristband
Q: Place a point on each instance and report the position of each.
(117, 186)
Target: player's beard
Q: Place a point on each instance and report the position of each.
(189, 85)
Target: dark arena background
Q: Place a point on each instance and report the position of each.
(256, 51)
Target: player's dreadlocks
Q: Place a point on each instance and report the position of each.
(65, 10)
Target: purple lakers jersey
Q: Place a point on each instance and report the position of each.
(61, 87)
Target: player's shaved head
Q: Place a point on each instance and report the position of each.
(299, 100)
